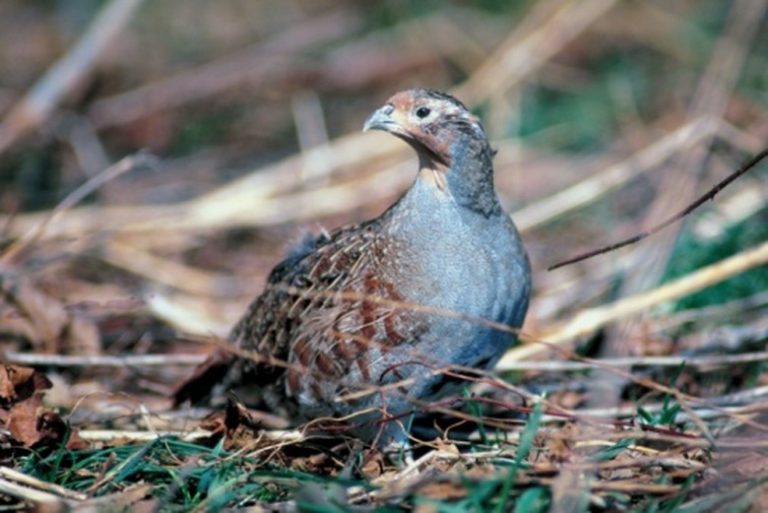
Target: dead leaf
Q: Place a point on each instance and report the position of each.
(7, 385)
(22, 421)
(74, 442)
(215, 423)
(33, 426)
(239, 424)
(19, 383)
(374, 465)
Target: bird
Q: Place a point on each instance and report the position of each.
(355, 322)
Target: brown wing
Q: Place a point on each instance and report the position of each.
(270, 320)
(318, 315)
(303, 282)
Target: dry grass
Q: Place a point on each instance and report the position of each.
(642, 382)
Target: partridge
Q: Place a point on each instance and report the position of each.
(354, 324)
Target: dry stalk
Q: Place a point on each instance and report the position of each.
(238, 202)
(33, 482)
(187, 360)
(235, 204)
(191, 315)
(104, 435)
(592, 319)
(167, 272)
(614, 176)
(67, 73)
(256, 65)
(711, 98)
(37, 231)
(129, 360)
(642, 361)
(522, 54)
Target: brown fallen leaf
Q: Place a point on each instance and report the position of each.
(215, 423)
(33, 426)
(19, 383)
(22, 420)
(373, 466)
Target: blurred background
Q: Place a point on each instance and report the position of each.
(254, 110)
(609, 117)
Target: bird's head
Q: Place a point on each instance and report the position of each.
(436, 124)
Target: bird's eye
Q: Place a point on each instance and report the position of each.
(423, 112)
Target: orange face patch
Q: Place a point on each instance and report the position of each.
(430, 121)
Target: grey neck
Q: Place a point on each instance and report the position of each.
(470, 176)
(469, 179)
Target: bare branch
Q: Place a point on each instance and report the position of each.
(710, 194)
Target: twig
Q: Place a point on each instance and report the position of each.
(29, 494)
(67, 73)
(741, 397)
(728, 309)
(711, 97)
(750, 164)
(104, 435)
(726, 408)
(188, 360)
(14, 475)
(122, 500)
(138, 360)
(645, 361)
(619, 412)
(679, 185)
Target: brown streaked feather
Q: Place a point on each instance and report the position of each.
(297, 319)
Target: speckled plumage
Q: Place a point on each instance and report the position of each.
(366, 305)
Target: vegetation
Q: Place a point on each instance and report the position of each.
(641, 381)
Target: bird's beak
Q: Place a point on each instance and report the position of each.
(381, 120)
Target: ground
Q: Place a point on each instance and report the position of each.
(143, 203)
